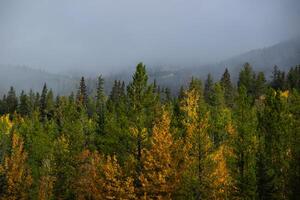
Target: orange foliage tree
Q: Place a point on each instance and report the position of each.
(100, 178)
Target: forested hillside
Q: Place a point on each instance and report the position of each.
(215, 140)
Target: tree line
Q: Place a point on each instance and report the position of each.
(217, 140)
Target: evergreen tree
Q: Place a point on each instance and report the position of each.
(11, 101)
(293, 78)
(228, 88)
(100, 105)
(24, 109)
(275, 125)
(278, 79)
(247, 79)
(245, 146)
(43, 103)
(82, 97)
(141, 99)
(260, 85)
(208, 89)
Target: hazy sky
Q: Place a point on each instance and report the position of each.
(107, 34)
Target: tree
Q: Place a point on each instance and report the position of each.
(197, 147)
(141, 101)
(278, 79)
(228, 88)
(16, 172)
(160, 175)
(260, 85)
(247, 79)
(100, 105)
(275, 125)
(43, 103)
(246, 145)
(24, 109)
(101, 178)
(11, 101)
(208, 89)
(82, 97)
(293, 78)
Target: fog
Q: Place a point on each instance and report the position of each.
(106, 35)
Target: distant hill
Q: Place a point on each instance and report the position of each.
(25, 78)
(284, 54)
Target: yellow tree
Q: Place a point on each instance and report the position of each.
(101, 178)
(160, 174)
(197, 145)
(16, 172)
(222, 182)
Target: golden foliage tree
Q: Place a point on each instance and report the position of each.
(101, 178)
(160, 175)
(197, 143)
(15, 172)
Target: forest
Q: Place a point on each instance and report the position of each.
(215, 139)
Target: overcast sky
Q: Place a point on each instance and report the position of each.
(57, 35)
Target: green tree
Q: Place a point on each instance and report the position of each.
(11, 101)
(24, 108)
(245, 145)
(208, 89)
(228, 88)
(141, 99)
(82, 97)
(275, 124)
(100, 105)
(247, 79)
(43, 103)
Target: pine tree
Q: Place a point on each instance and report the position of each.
(100, 105)
(293, 78)
(82, 97)
(260, 85)
(11, 101)
(247, 79)
(24, 104)
(43, 103)
(278, 79)
(208, 89)
(275, 125)
(246, 146)
(141, 100)
(228, 88)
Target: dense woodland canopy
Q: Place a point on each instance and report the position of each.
(215, 140)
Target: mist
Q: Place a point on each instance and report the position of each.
(108, 35)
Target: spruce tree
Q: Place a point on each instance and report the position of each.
(141, 99)
(260, 85)
(11, 101)
(275, 125)
(245, 145)
(82, 97)
(43, 103)
(208, 89)
(100, 105)
(247, 79)
(228, 88)
(24, 104)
